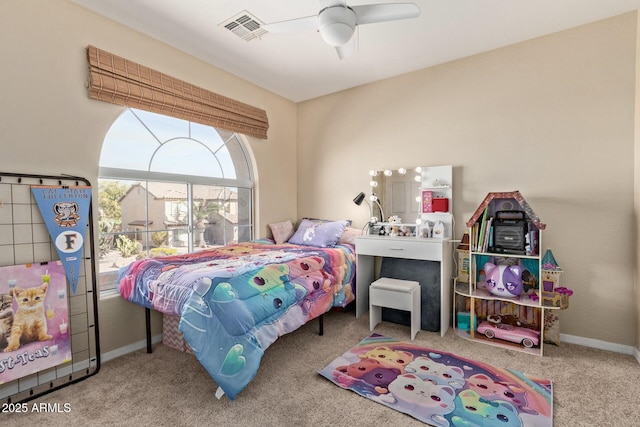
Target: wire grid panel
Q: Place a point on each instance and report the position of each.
(25, 239)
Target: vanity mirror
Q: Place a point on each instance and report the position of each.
(396, 191)
(421, 197)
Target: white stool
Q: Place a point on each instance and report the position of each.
(398, 294)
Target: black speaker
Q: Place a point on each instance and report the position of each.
(509, 231)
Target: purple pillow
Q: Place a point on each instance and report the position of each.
(321, 234)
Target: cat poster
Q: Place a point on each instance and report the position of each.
(34, 319)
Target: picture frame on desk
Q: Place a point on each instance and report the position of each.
(427, 201)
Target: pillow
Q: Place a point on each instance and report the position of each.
(314, 233)
(349, 235)
(281, 231)
(348, 221)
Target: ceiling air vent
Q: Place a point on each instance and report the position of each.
(245, 26)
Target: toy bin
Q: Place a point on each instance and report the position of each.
(440, 204)
(464, 320)
(171, 335)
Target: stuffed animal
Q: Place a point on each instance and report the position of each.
(503, 280)
(505, 319)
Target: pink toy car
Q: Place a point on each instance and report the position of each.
(503, 331)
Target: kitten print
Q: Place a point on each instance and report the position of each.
(6, 319)
(389, 358)
(436, 372)
(472, 410)
(494, 390)
(427, 401)
(29, 321)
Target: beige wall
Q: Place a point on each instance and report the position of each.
(552, 117)
(48, 125)
(636, 180)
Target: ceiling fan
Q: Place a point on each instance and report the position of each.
(336, 22)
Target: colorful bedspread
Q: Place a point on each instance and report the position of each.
(235, 301)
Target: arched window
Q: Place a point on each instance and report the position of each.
(169, 186)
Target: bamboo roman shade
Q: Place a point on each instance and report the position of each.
(120, 81)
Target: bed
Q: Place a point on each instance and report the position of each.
(235, 301)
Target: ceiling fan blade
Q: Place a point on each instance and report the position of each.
(299, 25)
(372, 13)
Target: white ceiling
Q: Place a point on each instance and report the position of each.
(300, 67)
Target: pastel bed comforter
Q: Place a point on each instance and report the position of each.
(235, 301)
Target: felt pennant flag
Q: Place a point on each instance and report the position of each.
(65, 211)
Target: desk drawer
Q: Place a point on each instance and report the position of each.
(430, 250)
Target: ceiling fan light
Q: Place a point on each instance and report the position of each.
(336, 25)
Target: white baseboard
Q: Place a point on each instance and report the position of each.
(110, 355)
(602, 345)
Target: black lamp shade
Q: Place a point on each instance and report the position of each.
(358, 199)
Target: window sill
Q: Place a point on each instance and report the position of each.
(108, 294)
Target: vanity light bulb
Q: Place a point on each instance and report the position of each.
(418, 178)
(373, 184)
(418, 221)
(418, 169)
(373, 197)
(418, 199)
(373, 173)
(402, 171)
(387, 172)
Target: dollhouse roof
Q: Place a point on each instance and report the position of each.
(507, 195)
(549, 262)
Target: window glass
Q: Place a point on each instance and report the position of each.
(207, 136)
(162, 128)
(176, 212)
(183, 154)
(128, 144)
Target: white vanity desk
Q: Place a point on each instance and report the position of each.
(370, 246)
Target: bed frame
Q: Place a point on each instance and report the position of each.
(147, 317)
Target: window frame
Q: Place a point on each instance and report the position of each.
(143, 177)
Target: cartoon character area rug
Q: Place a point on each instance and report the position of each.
(439, 388)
